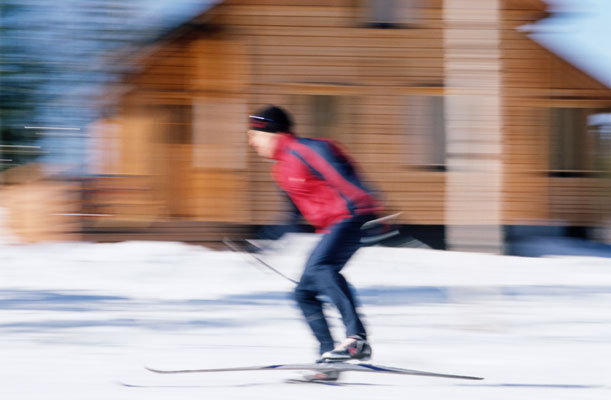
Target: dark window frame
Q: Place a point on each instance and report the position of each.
(387, 14)
(432, 131)
(573, 142)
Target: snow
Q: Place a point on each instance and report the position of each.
(80, 318)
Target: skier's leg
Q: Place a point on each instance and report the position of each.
(325, 263)
(335, 286)
(312, 309)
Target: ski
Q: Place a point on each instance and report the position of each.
(315, 382)
(340, 366)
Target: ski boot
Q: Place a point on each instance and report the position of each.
(353, 348)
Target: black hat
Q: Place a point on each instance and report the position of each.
(271, 119)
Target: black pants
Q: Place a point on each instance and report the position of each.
(321, 276)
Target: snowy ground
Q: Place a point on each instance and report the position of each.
(77, 319)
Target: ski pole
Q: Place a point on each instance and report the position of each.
(227, 242)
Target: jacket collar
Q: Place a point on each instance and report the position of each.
(283, 142)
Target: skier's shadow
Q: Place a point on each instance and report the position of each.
(347, 384)
(538, 385)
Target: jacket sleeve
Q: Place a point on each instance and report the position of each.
(291, 224)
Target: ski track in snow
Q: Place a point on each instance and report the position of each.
(81, 320)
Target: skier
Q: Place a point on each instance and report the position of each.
(324, 187)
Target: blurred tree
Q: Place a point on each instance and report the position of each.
(21, 78)
(52, 64)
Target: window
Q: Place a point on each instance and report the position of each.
(390, 13)
(322, 116)
(175, 123)
(576, 141)
(219, 132)
(600, 126)
(324, 111)
(426, 132)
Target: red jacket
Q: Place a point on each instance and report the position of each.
(321, 181)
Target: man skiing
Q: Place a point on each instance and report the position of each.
(324, 187)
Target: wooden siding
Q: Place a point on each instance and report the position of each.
(42, 210)
(301, 51)
(526, 130)
(579, 201)
(535, 81)
(497, 85)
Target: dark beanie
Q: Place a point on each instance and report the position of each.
(271, 119)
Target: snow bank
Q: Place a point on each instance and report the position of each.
(78, 317)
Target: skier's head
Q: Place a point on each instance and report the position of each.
(264, 127)
(271, 119)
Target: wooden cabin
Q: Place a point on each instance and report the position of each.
(460, 120)
(38, 207)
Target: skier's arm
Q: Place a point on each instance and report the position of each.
(291, 224)
(338, 170)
